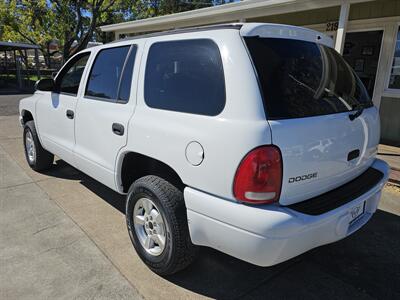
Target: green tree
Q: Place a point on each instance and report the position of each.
(28, 21)
(151, 8)
(71, 22)
(81, 18)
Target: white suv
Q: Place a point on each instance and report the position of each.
(258, 140)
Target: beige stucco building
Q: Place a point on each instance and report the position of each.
(366, 32)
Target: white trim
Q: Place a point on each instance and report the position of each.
(342, 26)
(390, 92)
(358, 24)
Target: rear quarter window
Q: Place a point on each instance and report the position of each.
(185, 76)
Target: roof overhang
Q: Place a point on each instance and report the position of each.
(15, 46)
(222, 14)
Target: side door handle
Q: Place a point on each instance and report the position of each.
(69, 114)
(118, 129)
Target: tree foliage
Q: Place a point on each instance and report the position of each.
(152, 8)
(28, 21)
(73, 23)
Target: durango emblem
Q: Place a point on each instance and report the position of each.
(303, 177)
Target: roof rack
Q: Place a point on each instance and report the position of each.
(182, 30)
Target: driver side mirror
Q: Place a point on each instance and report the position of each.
(45, 85)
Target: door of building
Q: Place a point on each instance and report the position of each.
(361, 51)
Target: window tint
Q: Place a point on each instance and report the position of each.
(302, 79)
(69, 79)
(126, 80)
(185, 76)
(106, 72)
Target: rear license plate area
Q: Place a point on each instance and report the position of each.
(356, 212)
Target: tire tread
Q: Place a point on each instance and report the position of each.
(44, 159)
(172, 199)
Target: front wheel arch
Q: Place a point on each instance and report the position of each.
(26, 116)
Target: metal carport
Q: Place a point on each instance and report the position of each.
(14, 68)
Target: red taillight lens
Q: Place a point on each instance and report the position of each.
(258, 178)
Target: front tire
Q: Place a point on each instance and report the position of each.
(37, 157)
(157, 225)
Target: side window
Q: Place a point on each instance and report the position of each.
(70, 77)
(185, 76)
(105, 75)
(126, 80)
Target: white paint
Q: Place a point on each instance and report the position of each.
(317, 144)
(194, 153)
(270, 30)
(321, 144)
(267, 235)
(342, 26)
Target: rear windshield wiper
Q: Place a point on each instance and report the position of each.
(359, 108)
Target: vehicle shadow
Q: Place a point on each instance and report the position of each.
(364, 265)
(63, 170)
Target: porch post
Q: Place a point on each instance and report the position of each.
(6, 65)
(116, 35)
(342, 26)
(18, 70)
(37, 64)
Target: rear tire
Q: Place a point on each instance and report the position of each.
(155, 205)
(37, 157)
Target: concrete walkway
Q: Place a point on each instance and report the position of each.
(391, 155)
(44, 254)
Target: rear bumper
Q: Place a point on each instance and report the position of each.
(270, 234)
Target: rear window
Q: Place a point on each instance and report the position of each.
(302, 79)
(185, 76)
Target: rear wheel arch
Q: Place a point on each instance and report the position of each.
(134, 165)
(26, 116)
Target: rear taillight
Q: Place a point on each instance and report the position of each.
(258, 178)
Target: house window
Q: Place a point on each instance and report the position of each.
(394, 81)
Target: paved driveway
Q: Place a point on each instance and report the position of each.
(9, 104)
(365, 265)
(44, 254)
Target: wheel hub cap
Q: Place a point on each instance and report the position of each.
(30, 147)
(149, 226)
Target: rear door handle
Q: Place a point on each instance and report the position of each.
(69, 114)
(118, 129)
